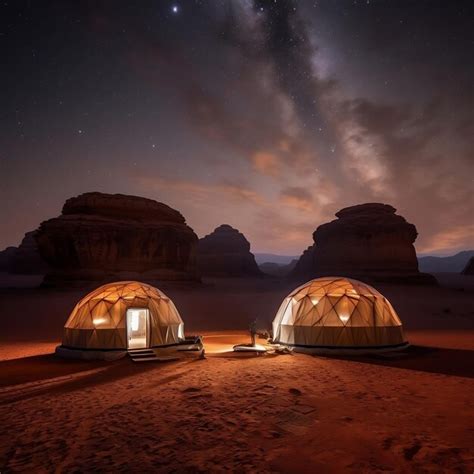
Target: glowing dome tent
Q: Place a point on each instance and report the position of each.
(337, 313)
(123, 315)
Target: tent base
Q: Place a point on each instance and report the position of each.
(189, 344)
(249, 348)
(346, 350)
(89, 354)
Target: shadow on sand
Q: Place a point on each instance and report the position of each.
(31, 376)
(457, 362)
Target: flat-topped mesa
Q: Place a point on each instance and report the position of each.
(121, 206)
(108, 237)
(368, 241)
(226, 252)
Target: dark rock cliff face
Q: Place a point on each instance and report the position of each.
(304, 267)
(103, 237)
(6, 257)
(24, 259)
(27, 259)
(226, 252)
(367, 241)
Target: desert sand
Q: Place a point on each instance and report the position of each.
(243, 413)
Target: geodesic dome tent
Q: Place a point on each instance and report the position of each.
(337, 313)
(123, 315)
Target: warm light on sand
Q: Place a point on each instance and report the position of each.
(220, 343)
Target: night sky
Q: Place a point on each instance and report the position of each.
(266, 115)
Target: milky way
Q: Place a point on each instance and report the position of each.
(266, 115)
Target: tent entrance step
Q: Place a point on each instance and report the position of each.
(149, 355)
(142, 355)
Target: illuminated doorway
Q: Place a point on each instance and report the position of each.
(137, 328)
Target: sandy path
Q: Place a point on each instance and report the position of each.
(287, 413)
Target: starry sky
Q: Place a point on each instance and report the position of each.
(266, 115)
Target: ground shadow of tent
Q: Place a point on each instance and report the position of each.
(34, 373)
(437, 360)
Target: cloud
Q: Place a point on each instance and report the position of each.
(274, 230)
(266, 163)
(298, 198)
(449, 240)
(210, 193)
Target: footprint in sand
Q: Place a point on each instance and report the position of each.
(191, 390)
(387, 443)
(295, 391)
(410, 453)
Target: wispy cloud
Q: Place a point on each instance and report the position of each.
(299, 198)
(449, 240)
(266, 163)
(211, 193)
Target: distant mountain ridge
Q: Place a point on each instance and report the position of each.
(454, 263)
(429, 264)
(274, 258)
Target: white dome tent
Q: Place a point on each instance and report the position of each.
(119, 317)
(335, 314)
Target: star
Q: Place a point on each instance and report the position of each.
(175, 9)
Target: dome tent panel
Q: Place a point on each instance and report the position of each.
(331, 319)
(394, 314)
(346, 314)
(302, 315)
(359, 317)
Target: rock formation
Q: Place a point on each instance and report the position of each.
(27, 259)
(469, 268)
(226, 252)
(24, 259)
(304, 267)
(105, 237)
(6, 257)
(367, 241)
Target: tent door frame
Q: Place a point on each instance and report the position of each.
(129, 328)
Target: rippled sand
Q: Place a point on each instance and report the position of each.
(283, 413)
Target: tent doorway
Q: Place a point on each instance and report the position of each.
(137, 328)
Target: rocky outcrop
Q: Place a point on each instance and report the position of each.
(105, 237)
(27, 259)
(226, 252)
(24, 259)
(304, 267)
(368, 242)
(6, 257)
(469, 268)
